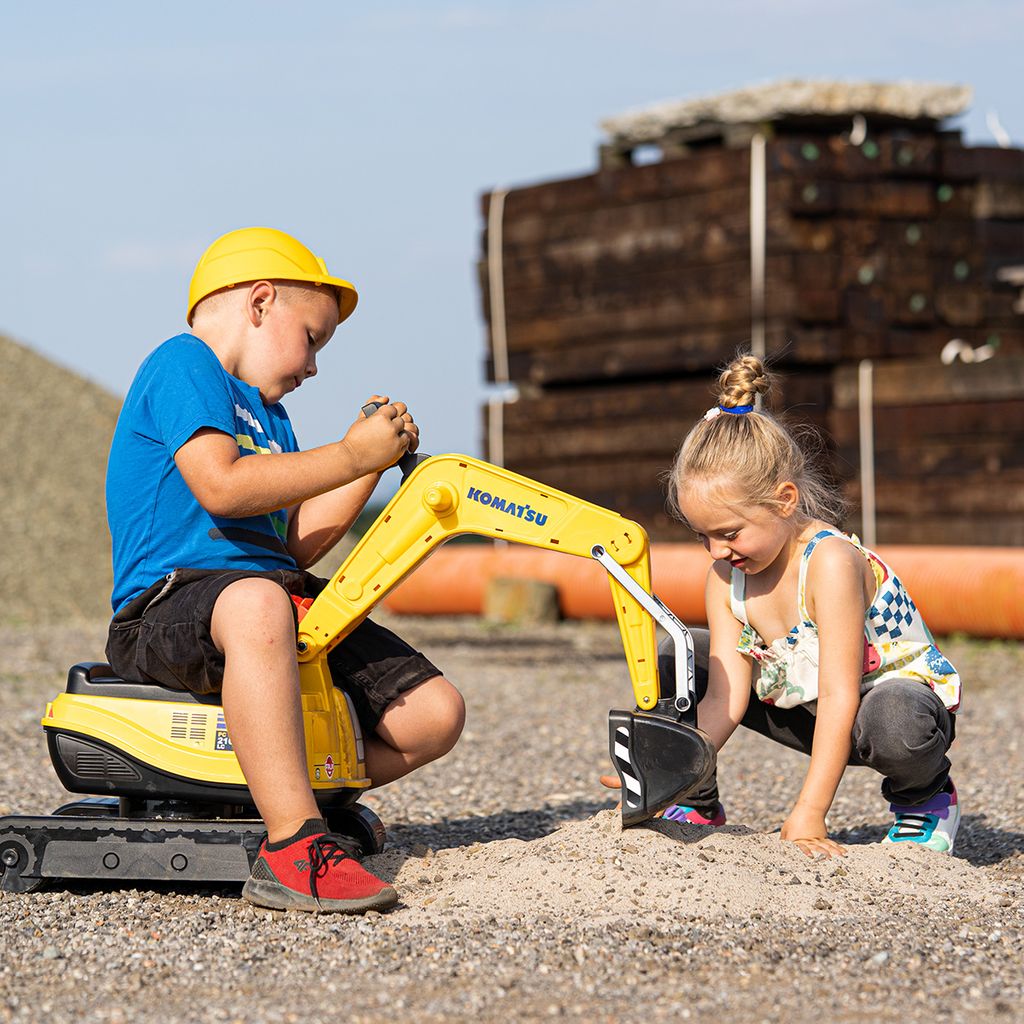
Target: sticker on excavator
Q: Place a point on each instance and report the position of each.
(509, 506)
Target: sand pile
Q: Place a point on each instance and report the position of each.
(661, 871)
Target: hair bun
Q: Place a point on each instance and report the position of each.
(742, 382)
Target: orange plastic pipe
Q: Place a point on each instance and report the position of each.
(454, 581)
(979, 591)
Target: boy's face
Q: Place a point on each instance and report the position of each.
(294, 322)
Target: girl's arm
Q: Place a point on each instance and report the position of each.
(729, 672)
(837, 601)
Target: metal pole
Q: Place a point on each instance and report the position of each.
(496, 284)
(499, 334)
(496, 430)
(865, 413)
(499, 337)
(758, 243)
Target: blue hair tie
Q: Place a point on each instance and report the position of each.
(735, 410)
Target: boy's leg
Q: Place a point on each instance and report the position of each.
(409, 713)
(254, 626)
(300, 865)
(416, 728)
(234, 632)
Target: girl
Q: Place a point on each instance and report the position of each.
(814, 642)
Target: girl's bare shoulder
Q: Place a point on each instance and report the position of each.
(835, 553)
(719, 572)
(717, 587)
(838, 565)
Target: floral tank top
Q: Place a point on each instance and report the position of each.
(897, 643)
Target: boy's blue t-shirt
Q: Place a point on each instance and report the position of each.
(155, 522)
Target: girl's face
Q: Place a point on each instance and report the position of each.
(749, 537)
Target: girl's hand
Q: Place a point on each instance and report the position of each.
(611, 782)
(806, 828)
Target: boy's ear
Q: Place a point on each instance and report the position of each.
(260, 298)
(788, 496)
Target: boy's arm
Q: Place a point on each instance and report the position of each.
(836, 573)
(318, 523)
(729, 672)
(227, 484)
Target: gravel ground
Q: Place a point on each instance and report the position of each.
(522, 899)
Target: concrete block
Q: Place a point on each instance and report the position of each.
(518, 600)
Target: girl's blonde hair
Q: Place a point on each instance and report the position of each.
(753, 451)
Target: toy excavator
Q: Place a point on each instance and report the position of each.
(174, 803)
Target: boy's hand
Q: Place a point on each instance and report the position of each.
(411, 428)
(806, 827)
(380, 440)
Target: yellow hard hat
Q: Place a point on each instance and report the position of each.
(257, 254)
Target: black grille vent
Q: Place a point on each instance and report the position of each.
(197, 731)
(179, 725)
(98, 764)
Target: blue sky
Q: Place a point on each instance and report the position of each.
(132, 135)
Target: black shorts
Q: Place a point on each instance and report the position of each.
(163, 636)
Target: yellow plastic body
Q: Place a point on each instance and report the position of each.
(180, 738)
(191, 740)
(448, 495)
(443, 497)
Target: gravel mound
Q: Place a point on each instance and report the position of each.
(54, 440)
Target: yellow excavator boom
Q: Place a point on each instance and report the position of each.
(449, 495)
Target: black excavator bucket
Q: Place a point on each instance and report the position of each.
(659, 761)
(660, 755)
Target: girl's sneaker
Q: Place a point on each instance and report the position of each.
(315, 871)
(932, 824)
(691, 816)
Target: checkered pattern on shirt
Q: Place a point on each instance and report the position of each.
(894, 614)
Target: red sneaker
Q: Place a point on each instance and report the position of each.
(315, 871)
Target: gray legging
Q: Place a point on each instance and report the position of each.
(902, 730)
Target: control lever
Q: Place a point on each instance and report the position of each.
(410, 460)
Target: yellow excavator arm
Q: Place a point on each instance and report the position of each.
(448, 495)
(659, 757)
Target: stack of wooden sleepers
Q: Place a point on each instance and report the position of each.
(887, 239)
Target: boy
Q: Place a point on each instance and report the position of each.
(215, 514)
